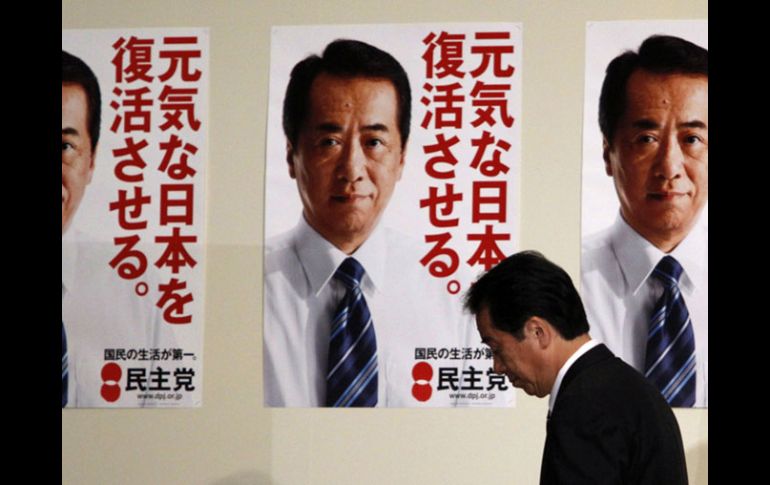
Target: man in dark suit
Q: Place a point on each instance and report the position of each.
(607, 424)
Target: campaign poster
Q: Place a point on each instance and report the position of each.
(645, 197)
(417, 181)
(134, 154)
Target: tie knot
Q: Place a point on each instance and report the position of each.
(668, 271)
(350, 273)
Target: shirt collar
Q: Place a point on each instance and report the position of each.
(563, 371)
(320, 258)
(69, 253)
(638, 257)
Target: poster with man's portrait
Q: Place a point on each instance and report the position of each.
(392, 167)
(644, 277)
(134, 155)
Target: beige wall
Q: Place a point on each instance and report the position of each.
(232, 439)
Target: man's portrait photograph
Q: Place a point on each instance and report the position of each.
(134, 154)
(644, 277)
(391, 181)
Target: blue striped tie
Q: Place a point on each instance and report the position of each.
(670, 361)
(351, 379)
(64, 367)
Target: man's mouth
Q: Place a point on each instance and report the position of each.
(349, 198)
(666, 195)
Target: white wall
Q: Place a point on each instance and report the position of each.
(232, 439)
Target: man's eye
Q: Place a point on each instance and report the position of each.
(692, 139)
(645, 139)
(329, 142)
(66, 146)
(374, 142)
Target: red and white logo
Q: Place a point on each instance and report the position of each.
(111, 373)
(422, 373)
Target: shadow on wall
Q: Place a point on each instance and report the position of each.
(246, 477)
(697, 464)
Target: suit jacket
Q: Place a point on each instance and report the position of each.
(609, 425)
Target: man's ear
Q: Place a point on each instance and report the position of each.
(606, 155)
(541, 330)
(290, 159)
(91, 166)
(401, 163)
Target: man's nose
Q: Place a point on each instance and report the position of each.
(352, 165)
(670, 161)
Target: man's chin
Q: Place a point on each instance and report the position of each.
(673, 221)
(665, 224)
(345, 233)
(353, 224)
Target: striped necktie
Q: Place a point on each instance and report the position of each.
(351, 379)
(670, 360)
(64, 367)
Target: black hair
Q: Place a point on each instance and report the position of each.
(660, 54)
(75, 71)
(344, 58)
(527, 285)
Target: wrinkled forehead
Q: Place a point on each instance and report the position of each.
(328, 89)
(653, 99)
(675, 88)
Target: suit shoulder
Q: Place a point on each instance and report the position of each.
(612, 391)
(611, 375)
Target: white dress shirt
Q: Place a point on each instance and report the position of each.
(619, 293)
(409, 310)
(101, 311)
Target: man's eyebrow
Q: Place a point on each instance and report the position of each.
(70, 131)
(328, 128)
(645, 124)
(694, 124)
(335, 128)
(648, 124)
(375, 127)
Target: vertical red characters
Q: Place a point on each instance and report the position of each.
(466, 99)
(156, 84)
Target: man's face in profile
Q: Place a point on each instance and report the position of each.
(77, 157)
(519, 360)
(348, 157)
(659, 155)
